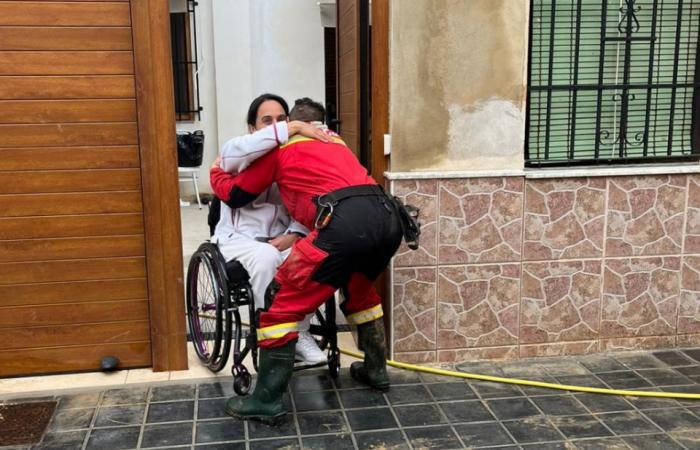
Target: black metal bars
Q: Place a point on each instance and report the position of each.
(612, 81)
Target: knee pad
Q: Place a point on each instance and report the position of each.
(271, 292)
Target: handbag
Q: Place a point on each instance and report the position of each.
(190, 148)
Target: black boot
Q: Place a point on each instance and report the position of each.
(265, 404)
(372, 371)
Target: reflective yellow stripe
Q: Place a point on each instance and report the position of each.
(367, 315)
(297, 139)
(276, 331)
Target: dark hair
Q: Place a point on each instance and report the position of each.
(255, 105)
(307, 110)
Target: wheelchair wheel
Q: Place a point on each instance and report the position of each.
(207, 307)
(334, 363)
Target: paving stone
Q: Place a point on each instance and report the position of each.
(579, 427)
(72, 419)
(466, 411)
(401, 395)
(419, 415)
(171, 393)
(328, 441)
(113, 438)
(487, 389)
(512, 408)
(652, 442)
(170, 412)
(483, 434)
(392, 439)
(533, 429)
(329, 422)
(285, 427)
(170, 434)
(125, 396)
(601, 363)
(361, 398)
(67, 440)
(451, 391)
(114, 416)
(316, 401)
(369, 419)
(598, 403)
(223, 430)
(674, 419)
(600, 444)
(433, 438)
(673, 358)
(627, 423)
(214, 390)
(560, 405)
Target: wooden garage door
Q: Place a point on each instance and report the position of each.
(73, 284)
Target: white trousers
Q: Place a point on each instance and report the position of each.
(261, 260)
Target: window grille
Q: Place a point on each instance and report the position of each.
(183, 35)
(612, 81)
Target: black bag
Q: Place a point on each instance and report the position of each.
(409, 223)
(190, 149)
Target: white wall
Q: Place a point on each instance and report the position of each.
(207, 92)
(249, 47)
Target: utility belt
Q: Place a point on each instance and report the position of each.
(408, 214)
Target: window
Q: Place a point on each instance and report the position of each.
(183, 36)
(612, 81)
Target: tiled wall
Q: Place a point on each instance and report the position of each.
(511, 267)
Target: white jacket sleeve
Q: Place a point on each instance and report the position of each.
(239, 152)
(296, 227)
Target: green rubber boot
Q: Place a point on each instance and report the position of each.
(265, 403)
(372, 371)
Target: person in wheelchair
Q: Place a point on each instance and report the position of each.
(260, 234)
(356, 230)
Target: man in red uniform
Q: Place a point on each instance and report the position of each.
(356, 231)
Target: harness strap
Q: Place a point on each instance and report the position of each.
(350, 191)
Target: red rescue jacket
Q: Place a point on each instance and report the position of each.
(303, 168)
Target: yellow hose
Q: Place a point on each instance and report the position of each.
(540, 384)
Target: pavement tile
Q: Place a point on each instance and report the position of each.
(114, 416)
(483, 434)
(451, 391)
(579, 427)
(71, 419)
(419, 415)
(285, 427)
(466, 411)
(113, 438)
(218, 389)
(276, 444)
(220, 430)
(170, 412)
(328, 441)
(370, 419)
(361, 398)
(559, 405)
(221, 446)
(598, 403)
(512, 408)
(623, 380)
(401, 395)
(433, 438)
(693, 353)
(316, 401)
(392, 439)
(170, 434)
(86, 400)
(652, 442)
(533, 429)
(600, 444)
(673, 358)
(601, 363)
(639, 360)
(67, 440)
(627, 423)
(309, 383)
(486, 389)
(211, 408)
(328, 422)
(125, 396)
(674, 419)
(171, 393)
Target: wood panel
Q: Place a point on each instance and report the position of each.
(380, 87)
(69, 204)
(61, 335)
(72, 292)
(64, 13)
(71, 248)
(55, 158)
(46, 181)
(64, 38)
(66, 63)
(70, 226)
(119, 133)
(152, 56)
(75, 270)
(66, 111)
(348, 73)
(67, 313)
(67, 359)
(67, 87)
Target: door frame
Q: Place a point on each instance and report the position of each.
(150, 21)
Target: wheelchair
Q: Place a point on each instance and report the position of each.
(219, 297)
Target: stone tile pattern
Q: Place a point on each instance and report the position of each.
(645, 215)
(512, 267)
(480, 220)
(564, 219)
(478, 306)
(423, 195)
